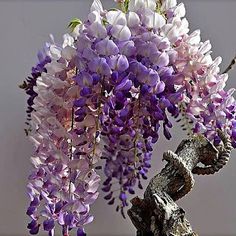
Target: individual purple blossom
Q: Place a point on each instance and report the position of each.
(106, 47)
(99, 66)
(80, 232)
(48, 225)
(118, 63)
(121, 32)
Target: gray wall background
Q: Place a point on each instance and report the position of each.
(24, 26)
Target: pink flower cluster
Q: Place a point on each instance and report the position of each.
(207, 104)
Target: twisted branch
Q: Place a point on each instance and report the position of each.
(173, 158)
(224, 155)
(157, 214)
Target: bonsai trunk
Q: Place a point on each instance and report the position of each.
(157, 214)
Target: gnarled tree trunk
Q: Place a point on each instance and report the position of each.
(157, 214)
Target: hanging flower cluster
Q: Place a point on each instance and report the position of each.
(104, 94)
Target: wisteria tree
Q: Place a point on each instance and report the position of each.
(97, 103)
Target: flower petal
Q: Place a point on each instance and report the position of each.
(96, 6)
(116, 18)
(121, 32)
(98, 30)
(133, 19)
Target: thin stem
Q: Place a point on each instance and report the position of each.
(136, 159)
(186, 125)
(231, 65)
(97, 126)
(65, 231)
(71, 147)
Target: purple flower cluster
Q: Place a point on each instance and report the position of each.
(63, 183)
(126, 69)
(103, 95)
(139, 103)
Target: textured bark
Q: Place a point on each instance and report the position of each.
(157, 214)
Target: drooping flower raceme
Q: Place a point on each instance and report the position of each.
(103, 95)
(63, 180)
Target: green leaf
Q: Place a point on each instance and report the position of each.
(104, 22)
(113, 9)
(126, 5)
(73, 23)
